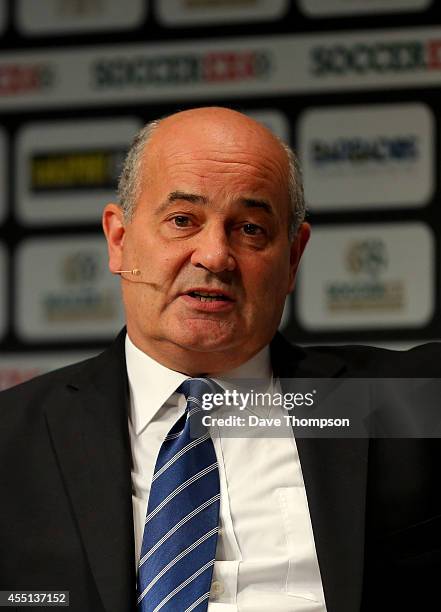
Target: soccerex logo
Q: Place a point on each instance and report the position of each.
(366, 260)
(377, 57)
(182, 69)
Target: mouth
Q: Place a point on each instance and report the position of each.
(208, 300)
(209, 296)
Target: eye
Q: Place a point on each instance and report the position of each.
(252, 230)
(181, 221)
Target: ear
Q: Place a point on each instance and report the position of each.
(297, 247)
(114, 230)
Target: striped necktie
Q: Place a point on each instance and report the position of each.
(181, 527)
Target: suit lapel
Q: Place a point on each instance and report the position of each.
(87, 420)
(335, 476)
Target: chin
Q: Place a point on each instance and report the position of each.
(205, 345)
(205, 338)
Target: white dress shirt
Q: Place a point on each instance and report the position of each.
(266, 557)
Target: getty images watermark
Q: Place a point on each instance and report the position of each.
(323, 408)
(252, 400)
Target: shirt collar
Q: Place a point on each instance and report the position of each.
(152, 384)
(255, 374)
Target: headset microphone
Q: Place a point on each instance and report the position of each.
(134, 272)
(135, 276)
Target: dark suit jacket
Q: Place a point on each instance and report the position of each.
(66, 514)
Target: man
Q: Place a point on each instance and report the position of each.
(207, 239)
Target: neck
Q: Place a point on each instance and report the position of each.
(193, 362)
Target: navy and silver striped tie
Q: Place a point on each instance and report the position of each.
(182, 522)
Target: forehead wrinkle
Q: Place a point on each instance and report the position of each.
(255, 168)
(227, 157)
(258, 182)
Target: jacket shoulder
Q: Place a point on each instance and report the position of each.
(83, 371)
(355, 360)
(95, 370)
(38, 387)
(422, 360)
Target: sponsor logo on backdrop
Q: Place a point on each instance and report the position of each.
(201, 12)
(68, 170)
(366, 261)
(65, 290)
(26, 78)
(328, 8)
(3, 174)
(364, 277)
(363, 157)
(362, 58)
(185, 68)
(358, 150)
(76, 170)
(64, 16)
(79, 299)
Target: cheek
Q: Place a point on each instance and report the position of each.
(159, 264)
(267, 278)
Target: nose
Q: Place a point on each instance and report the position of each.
(212, 250)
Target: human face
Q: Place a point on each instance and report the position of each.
(211, 219)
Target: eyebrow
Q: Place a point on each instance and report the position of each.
(194, 198)
(252, 203)
(180, 195)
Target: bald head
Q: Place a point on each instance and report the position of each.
(221, 125)
(222, 132)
